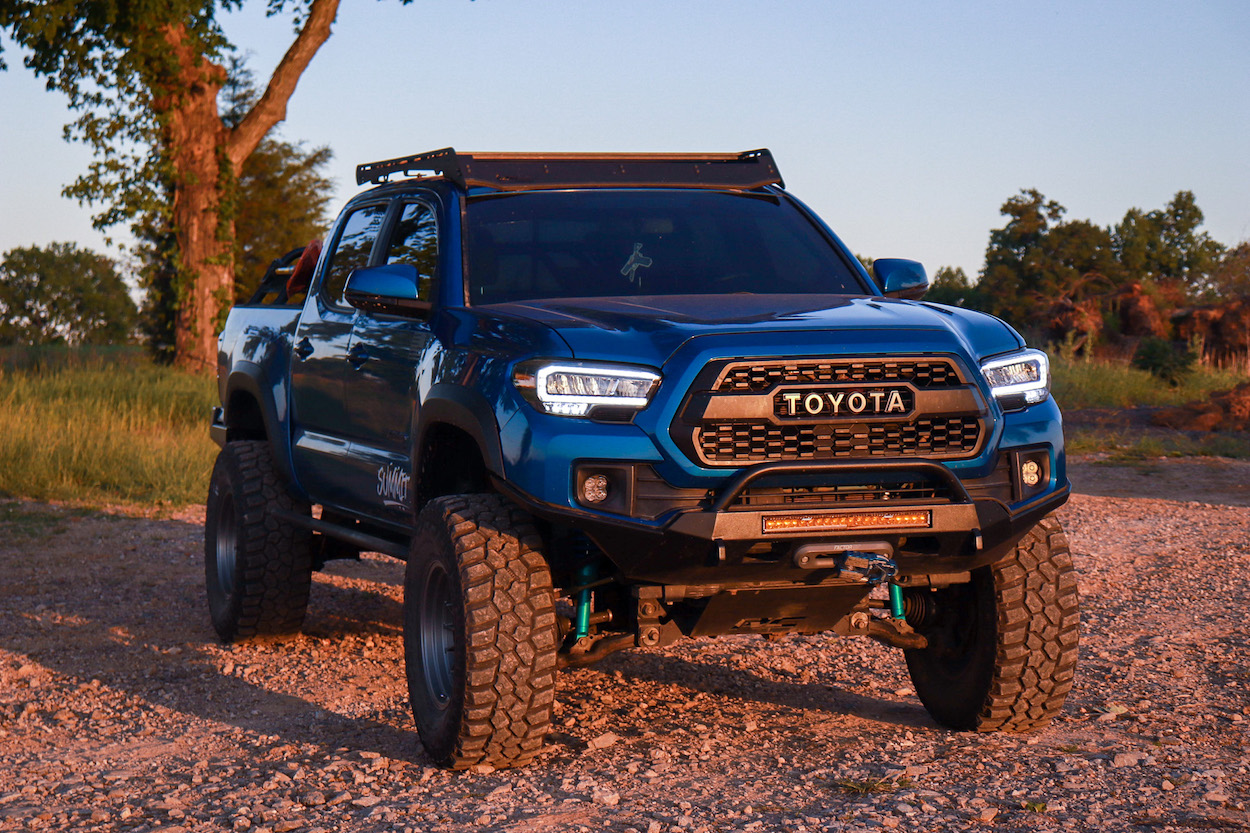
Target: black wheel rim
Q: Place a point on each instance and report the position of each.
(226, 549)
(954, 639)
(438, 636)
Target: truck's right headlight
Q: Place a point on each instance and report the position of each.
(575, 388)
(1018, 379)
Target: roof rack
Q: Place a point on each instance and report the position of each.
(520, 171)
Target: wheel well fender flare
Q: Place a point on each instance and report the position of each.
(245, 380)
(468, 411)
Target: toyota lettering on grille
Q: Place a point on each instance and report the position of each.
(827, 403)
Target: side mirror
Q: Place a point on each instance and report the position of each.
(900, 278)
(390, 289)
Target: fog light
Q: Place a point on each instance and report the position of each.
(1032, 473)
(595, 489)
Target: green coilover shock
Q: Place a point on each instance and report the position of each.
(586, 574)
(896, 601)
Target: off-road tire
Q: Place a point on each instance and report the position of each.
(1003, 648)
(480, 634)
(257, 567)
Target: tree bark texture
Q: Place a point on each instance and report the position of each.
(193, 134)
(205, 158)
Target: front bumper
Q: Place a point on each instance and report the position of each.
(748, 531)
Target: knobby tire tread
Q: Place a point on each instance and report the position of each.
(1003, 647)
(510, 631)
(274, 557)
(1038, 617)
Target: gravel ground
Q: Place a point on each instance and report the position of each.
(120, 711)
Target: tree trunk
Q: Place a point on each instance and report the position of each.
(194, 137)
(205, 240)
(205, 158)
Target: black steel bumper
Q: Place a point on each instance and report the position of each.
(724, 542)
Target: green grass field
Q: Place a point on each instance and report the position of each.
(1102, 384)
(105, 428)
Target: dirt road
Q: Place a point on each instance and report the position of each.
(120, 711)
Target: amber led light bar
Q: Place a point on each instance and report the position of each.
(837, 523)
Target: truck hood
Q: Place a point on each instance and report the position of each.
(649, 329)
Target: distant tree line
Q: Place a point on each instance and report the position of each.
(65, 295)
(1149, 276)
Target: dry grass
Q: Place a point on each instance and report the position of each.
(105, 431)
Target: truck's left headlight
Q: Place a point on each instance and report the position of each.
(1019, 379)
(576, 388)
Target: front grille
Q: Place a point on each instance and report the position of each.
(925, 373)
(741, 413)
(929, 437)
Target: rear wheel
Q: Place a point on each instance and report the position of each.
(1003, 648)
(479, 633)
(257, 566)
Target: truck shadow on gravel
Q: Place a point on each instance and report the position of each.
(820, 695)
(91, 596)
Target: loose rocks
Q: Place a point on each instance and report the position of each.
(119, 710)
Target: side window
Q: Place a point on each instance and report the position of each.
(415, 241)
(352, 249)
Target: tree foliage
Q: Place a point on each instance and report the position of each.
(1038, 260)
(1168, 246)
(63, 295)
(143, 78)
(281, 196)
(1037, 257)
(952, 286)
(1231, 276)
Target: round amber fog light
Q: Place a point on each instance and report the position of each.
(595, 489)
(1031, 473)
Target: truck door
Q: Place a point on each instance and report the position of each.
(388, 355)
(320, 413)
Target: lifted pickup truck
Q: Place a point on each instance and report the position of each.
(611, 401)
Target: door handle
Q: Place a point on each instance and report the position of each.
(304, 348)
(358, 355)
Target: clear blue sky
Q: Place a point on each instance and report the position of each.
(904, 124)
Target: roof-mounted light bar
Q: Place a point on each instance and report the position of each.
(520, 171)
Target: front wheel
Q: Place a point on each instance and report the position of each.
(480, 634)
(1002, 648)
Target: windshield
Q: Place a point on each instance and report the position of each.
(611, 243)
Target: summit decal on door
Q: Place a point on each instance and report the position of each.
(393, 483)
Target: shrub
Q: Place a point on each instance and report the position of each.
(1160, 358)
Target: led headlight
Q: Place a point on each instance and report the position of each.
(573, 389)
(1018, 379)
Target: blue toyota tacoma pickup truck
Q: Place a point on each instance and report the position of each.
(610, 401)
